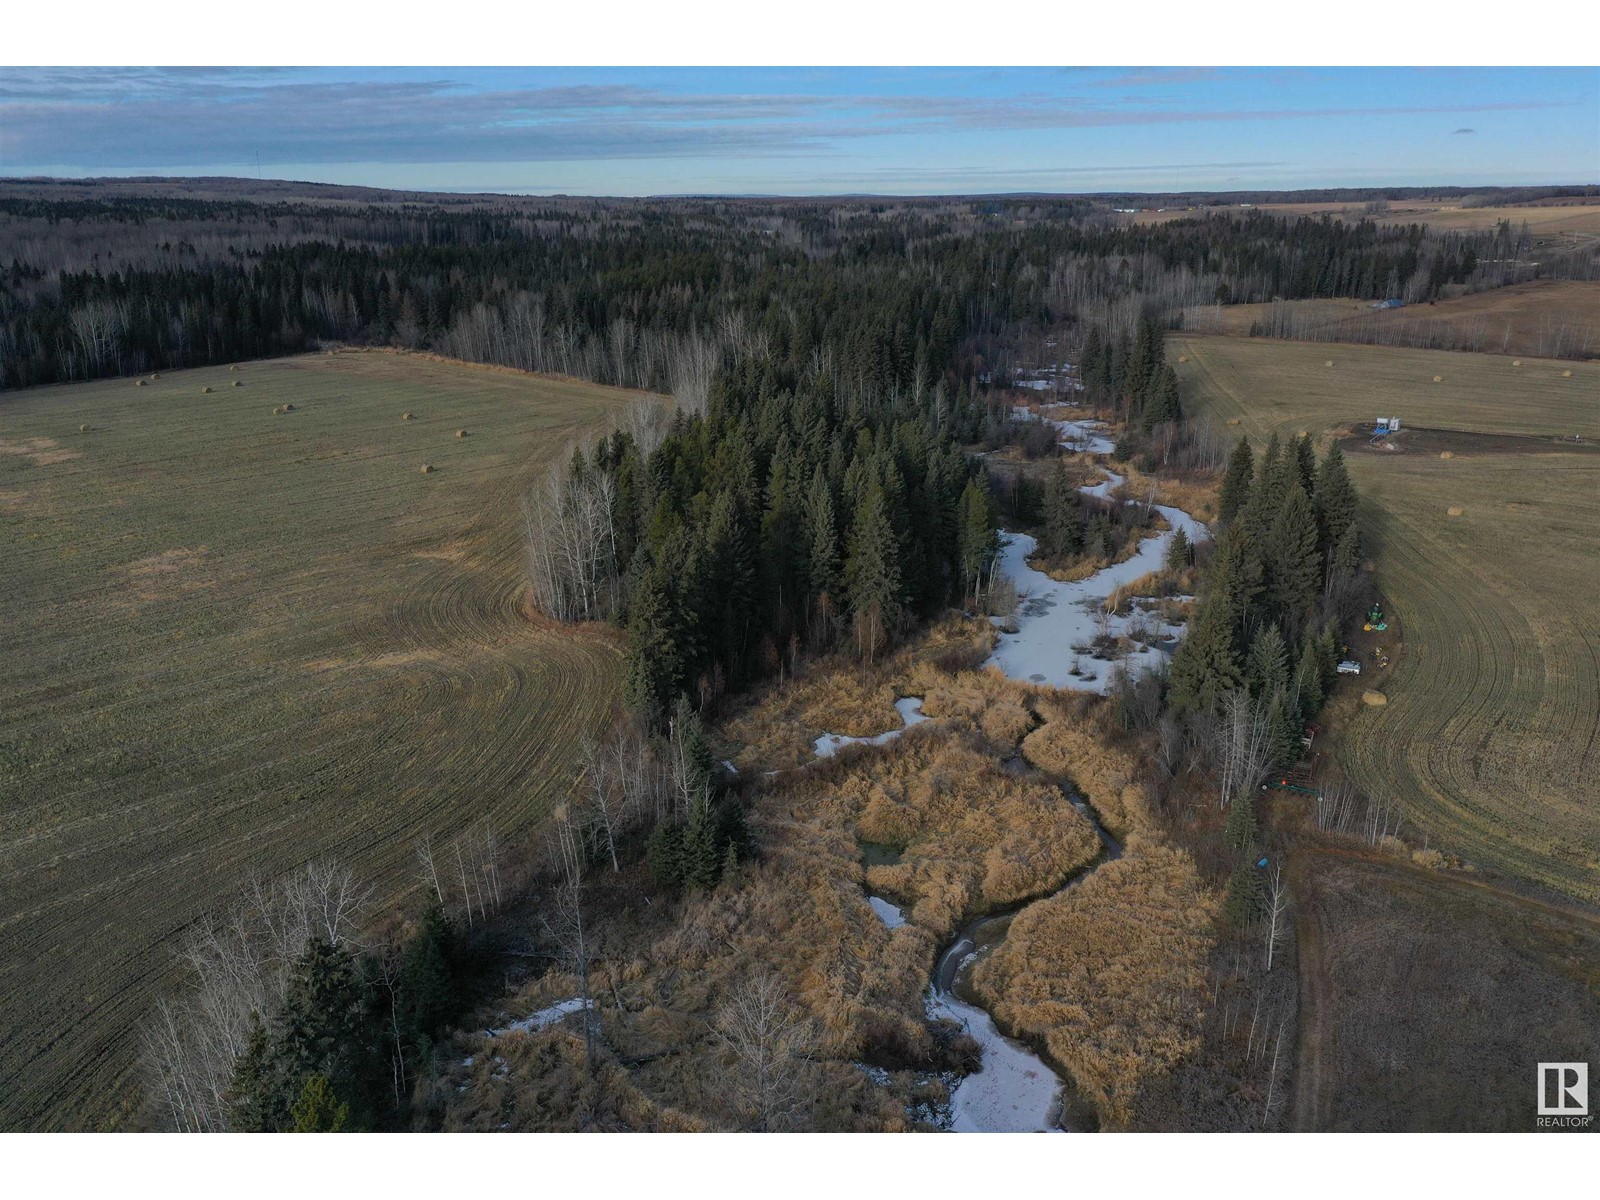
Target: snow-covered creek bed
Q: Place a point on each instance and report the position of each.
(1016, 1091)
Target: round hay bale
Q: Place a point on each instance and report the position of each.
(1566, 374)
(288, 408)
(1438, 378)
(205, 391)
(1516, 362)
(1369, 566)
(1329, 363)
(1375, 699)
(461, 433)
(234, 367)
(157, 375)
(83, 429)
(427, 468)
(278, 411)
(405, 416)
(1183, 358)
(238, 383)
(1447, 454)
(1455, 510)
(1233, 420)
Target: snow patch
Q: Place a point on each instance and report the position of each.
(542, 1019)
(1014, 1092)
(889, 914)
(910, 710)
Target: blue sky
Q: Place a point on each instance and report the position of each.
(632, 131)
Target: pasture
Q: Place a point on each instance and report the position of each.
(1491, 737)
(245, 630)
(1546, 318)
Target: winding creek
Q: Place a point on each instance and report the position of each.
(1015, 1091)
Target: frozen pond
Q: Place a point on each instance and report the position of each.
(1052, 617)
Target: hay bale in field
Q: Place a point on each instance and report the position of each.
(1438, 378)
(1183, 358)
(156, 375)
(234, 367)
(288, 408)
(138, 383)
(1329, 363)
(1455, 510)
(83, 429)
(1566, 374)
(1233, 420)
(461, 433)
(1446, 454)
(1375, 699)
(427, 468)
(405, 416)
(1516, 362)
(205, 391)
(238, 383)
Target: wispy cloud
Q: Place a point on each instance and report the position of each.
(1463, 129)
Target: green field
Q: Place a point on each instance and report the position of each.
(1491, 737)
(237, 640)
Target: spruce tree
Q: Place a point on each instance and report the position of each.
(1268, 663)
(1240, 829)
(1205, 667)
(1179, 552)
(1305, 461)
(1245, 899)
(1292, 557)
(1063, 515)
(1236, 482)
(1346, 556)
(977, 539)
(1334, 498)
(702, 861)
(1308, 679)
(318, 1109)
(872, 574)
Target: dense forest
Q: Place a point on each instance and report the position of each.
(645, 294)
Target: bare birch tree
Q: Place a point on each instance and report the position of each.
(771, 1042)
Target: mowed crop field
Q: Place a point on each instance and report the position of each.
(1491, 737)
(238, 640)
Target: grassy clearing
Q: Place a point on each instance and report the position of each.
(1491, 736)
(238, 640)
(1464, 986)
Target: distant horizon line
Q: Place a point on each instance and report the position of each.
(1441, 189)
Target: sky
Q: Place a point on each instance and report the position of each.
(908, 130)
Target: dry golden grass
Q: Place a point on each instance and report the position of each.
(1075, 745)
(1195, 494)
(1110, 974)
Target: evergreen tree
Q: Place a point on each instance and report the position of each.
(317, 1109)
(1305, 461)
(977, 539)
(1308, 679)
(1240, 829)
(665, 855)
(1063, 515)
(427, 986)
(872, 574)
(256, 1103)
(702, 857)
(1335, 499)
(821, 538)
(1245, 899)
(653, 669)
(1268, 665)
(1179, 552)
(1205, 667)
(1236, 482)
(1295, 564)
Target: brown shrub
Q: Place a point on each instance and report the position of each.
(1111, 973)
(1070, 744)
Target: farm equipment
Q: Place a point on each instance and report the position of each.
(1297, 780)
(1375, 622)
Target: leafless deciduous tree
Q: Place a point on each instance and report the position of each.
(571, 542)
(1277, 905)
(238, 964)
(564, 921)
(771, 1042)
(1242, 746)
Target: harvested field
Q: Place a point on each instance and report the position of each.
(237, 643)
(1490, 739)
(1550, 318)
(1543, 220)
